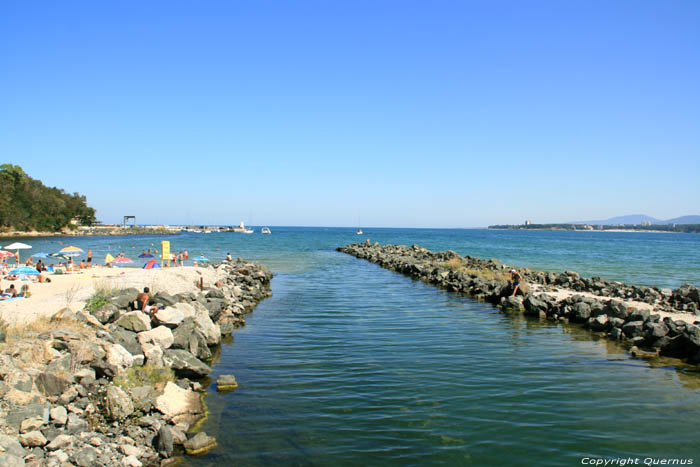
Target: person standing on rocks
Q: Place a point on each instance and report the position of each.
(514, 281)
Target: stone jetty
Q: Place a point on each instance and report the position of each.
(113, 386)
(650, 320)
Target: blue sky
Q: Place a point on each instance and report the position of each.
(401, 113)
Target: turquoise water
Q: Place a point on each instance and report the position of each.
(351, 364)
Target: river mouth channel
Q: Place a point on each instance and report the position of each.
(351, 364)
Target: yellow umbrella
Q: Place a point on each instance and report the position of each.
(109, 258)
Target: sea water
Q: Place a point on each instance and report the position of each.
(351, 364)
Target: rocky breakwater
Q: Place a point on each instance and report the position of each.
(650, 320)
(108, 385)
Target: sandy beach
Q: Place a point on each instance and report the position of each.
(73, 290)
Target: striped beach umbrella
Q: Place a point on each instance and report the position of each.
(71, 251)
(6, 254)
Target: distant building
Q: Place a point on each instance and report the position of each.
(528, 222)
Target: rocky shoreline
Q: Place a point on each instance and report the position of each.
(650, 320)
(107, 386)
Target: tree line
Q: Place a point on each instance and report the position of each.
(26, 204)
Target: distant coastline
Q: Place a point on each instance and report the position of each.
(675, 228)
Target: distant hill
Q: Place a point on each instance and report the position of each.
(636, 219)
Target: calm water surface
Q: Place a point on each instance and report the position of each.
(350, 364)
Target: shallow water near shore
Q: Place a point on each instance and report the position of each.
(352, 364)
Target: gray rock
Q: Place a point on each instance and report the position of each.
(199, 444)
(618, 309)
(185, 364)
(31, 424)
(32, 439)
(581, 312)
(118, 356)
(136, 321)
(639, 315)
(51, 384)
(17, 415)
(161, 336)
(656, 330)
(153, 354)
(124, 299)
(86, 457)
(60, 442)
(76, 424)
(616, 333)
(171, 317)
(215, 293)
(226, 383)
(10, 445)
(8, 460)
(164, 442)
(599, 323)
(59, 415)
(118, 403)
(106, 314)
(127, 339)
(68, 395)
(143, 398)
(633, 329)
(512, 303)
(162, 298)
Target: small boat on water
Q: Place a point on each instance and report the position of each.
(265, 231)
(359, 231)
(248, 231)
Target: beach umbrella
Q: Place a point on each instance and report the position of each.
(18, 246)
(26, 270)
(71, 251)
(145, 255)
(201, 258)
(152, 264)
(58, 256)
(121, 261)
(6, 254)
(109, 258)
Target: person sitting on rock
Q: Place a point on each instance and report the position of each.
(515, 281)
(141, 302)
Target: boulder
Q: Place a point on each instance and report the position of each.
(10, 445)
(124, 299)
(162, 336)
(8, 460)
(170, 316)
(31, 424)
(51, 384)
(226, 383)
(126, 339)
(143, 398)
(199, 444)
(106, 314)
(639, 315)
(581, 312)
(185, 364)
(599, 323)
(59, 415)
(60, 442)
(32, 439)
(175, 402)
(534, 306)
(162, 298)
(164, 442)
(136, 321)
(656, 330)
(153, 354)
(206, 326)
(633, 329)
(118, 403)
(118, 356)
(512, 303)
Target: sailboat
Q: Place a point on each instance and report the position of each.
(359, 229)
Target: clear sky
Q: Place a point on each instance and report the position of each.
(402, 113)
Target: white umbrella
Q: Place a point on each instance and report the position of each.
(18, 246)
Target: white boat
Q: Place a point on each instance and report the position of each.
(359, 231)
(265, 231)
(248, 231)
